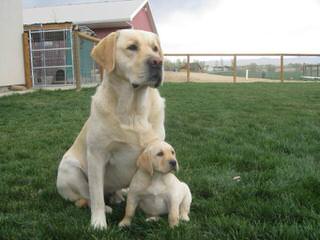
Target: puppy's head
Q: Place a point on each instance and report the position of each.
(133, 55)
(158, 156)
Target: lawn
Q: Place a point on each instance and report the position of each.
(268, 134)
(267, 75)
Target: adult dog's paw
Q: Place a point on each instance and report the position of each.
(108, 209)
(153, 219)
(99, 222)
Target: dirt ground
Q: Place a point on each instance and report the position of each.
(205, 77)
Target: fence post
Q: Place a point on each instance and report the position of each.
(188, 68)
(26, 56)
(281, 69)
(76, 60)
(234, 68)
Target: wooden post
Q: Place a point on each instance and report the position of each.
(188, 68)
(76, 60)
(234, 68)
(281, 69)
(26, 57)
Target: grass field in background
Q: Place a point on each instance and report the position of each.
(268, 134)
(267, 75)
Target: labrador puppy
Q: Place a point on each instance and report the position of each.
(155, 189)
(127, 113)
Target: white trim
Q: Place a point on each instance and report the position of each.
(61, 66)
(49, 30)
(151, 18)
(138, 10)
(50, 49)
(119, 20)
(72, 60)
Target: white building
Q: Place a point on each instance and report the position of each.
(11, 52)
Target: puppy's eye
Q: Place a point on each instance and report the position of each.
(133, 47)
(155, 49)
(172, 152)
(160, 154)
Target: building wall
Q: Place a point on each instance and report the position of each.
(142, 21)
(11, 53)
(102, 32)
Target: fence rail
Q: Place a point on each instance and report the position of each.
(236, 55)
(86, 71)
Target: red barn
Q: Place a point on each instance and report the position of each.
(102, 17)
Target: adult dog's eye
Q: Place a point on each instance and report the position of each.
(160, 154)
(155, 49)
(133, 47)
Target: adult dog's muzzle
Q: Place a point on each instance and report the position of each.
(155, 68)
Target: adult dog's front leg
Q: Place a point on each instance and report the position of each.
(96, 169)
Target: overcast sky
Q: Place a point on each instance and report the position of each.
(232, 25)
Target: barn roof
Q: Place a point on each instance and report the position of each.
(98, 14)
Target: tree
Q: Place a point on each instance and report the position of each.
(270, 68)
(253, 67)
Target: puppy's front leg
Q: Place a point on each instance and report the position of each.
(132, 203)
(96, 168)
(173, 216)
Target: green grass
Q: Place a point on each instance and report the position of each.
(269, 134)
(268, 75)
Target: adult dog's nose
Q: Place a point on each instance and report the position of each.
(155, 62)
(173, 163)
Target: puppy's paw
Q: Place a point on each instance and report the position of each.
(173, 222)
(125, 223)
(185, 218)
(82, 203)
(117, 197)
(108, 209)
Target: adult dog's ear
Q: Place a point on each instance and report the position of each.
(105, 52)
(145, 162)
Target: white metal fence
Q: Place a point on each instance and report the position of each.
(51, 57)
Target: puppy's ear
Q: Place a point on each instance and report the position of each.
(145, 162)
(105, 52)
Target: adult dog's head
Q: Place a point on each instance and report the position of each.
(158, 156)
(133, 55)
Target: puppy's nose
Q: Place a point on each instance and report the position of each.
(155, 62)
(173, 163)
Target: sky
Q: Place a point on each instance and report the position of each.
(220, 26)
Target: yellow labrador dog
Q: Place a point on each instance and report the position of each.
(127, 113)
(155, 189)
